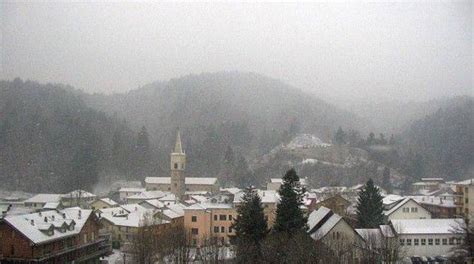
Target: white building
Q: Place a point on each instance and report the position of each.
(38, 201)
(125, 192)
(428, 237)
(406, 209)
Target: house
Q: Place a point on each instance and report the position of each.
(336, 203)
(270, 200)
(428, 237)
(67, 236)
(38, 201)
(103, 203)
(330, 229)
(125, 221)
(79, 198)
(145, 195)
(210, 221)
(466, 200)
(125, 192)
(407, 209)
(427, 185)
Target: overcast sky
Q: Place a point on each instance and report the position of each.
(403, 51)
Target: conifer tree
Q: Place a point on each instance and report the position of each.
(289, 216)
(370, 206)
(250, 227)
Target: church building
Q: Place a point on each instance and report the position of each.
(178, 183)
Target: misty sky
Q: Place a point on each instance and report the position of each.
(403, 51)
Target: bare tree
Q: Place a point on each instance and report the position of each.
(145, 245)
(178, 246)
(464, 251)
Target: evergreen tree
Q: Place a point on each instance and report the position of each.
(339, 137)
(370, 207)
(250, 227)
(143, 153)
(289, 216)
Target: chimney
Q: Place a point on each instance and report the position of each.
(45, 219)
(32, 222)
(79, 214)
(52, 217)
(64, 215)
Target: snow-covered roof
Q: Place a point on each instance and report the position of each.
(37, 226)
(391, 198)
(188, 180)
(204, 206)
(51, 205)
(154, 202)
(397, 206)
(132, 190)
(232, 190)
(134, 207)
(434, 200)
(44, 198)
(109, 201)
(199, 198)
(371, 235)
(321, 221)
(147, 195)
(466, 182)
(386, 230)
(120, 217)
(306, 141)
(280, 181)
(78, 193)
(427, 226)
(169, 197)
(267, 196)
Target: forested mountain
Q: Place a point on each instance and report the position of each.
(51, 141)
(247, 112)
(444, 141)
(394, 117)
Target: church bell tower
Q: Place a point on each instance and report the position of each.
(178, 165)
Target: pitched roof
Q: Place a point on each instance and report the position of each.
(44, 198)
(427, 226)
(267, 196)
(188, 180)
(321, 221)
(78, 193)
(109, 201)
(131, 189)
(34, 226)
(400, 204)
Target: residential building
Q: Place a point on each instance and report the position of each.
(336, 203)
(38, 201)
(406, 209)
(67, 236)
(428, 237)
(125, 192)
(79, 198)
(103, 203)
(207, 221)
(466, 201)
(331, 229)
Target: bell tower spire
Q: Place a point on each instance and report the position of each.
(177, 166)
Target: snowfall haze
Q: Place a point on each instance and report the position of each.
(403, 51)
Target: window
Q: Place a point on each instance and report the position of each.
(215, 217)
(436, 241)
(222, 229)
(445, 241)
(230, 229)
(230, 217)
(423, 241)
(216, 229)
(406, 209)
(451, 241)
(408, 242)
(194, 231)
(193, 218)
(402, 241)
(416, 241)
(414, 209)
(176, 165)
(466, 200)
(430, 241)
(222, 217)
(466, 190)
